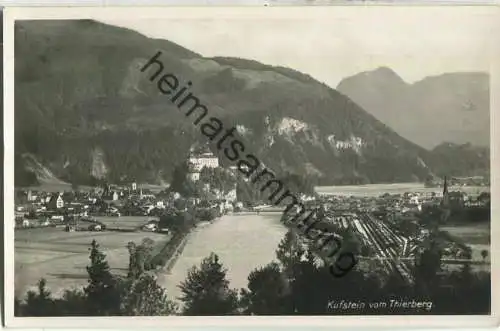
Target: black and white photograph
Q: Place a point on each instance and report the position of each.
(322, 161)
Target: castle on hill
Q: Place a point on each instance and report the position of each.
(200, 158)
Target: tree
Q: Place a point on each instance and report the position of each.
(222, 180)
(217, 177)
(38, 303)
(134, 269)
(268, 292)
(350, 242)
(297, 183)
(101, 206)
(206, 290)
(484, 254)
(173, 221)
(309, 288)
(180, 181)
(427, 265)
(289, 253)
(17, 307)
(431, 216)
(32, 213)
(103, 289)
(206, 175)
(144, 297)
(180, 204)
(75, 187)
(308, 282)
(72, 303)
(206, 214)
(247, 192)
(140, 257)
(374, 271)
(395, 285)
(146, 249)
(484, 197)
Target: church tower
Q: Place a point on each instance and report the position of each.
(446, 196)
(445, 202)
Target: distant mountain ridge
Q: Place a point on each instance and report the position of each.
(84, 112)
(452, 107)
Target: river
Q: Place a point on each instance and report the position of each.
(242, 242)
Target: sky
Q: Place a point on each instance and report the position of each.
(329, 43)
(417, 43)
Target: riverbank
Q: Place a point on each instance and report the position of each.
(166, 258)
(175, 254)
(170, 250)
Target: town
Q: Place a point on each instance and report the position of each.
(393, 228)
(75, 208)
(387, 226)
(387, 233)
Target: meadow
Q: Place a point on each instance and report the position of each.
(61, 257)
(124, 223)
(476, 236)
(59, 186)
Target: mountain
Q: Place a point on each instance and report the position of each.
(461, 160)
(453, 107)
(85, 112)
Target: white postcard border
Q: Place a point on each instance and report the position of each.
(11, 14)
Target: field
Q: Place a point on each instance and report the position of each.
(476, 236)
(61, 257)
(59, 186)
(124, 222)
(55, 187)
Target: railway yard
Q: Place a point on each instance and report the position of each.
(396, 252)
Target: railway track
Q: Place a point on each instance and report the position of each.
(388, 245)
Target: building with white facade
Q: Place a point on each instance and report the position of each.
(59, 202)
(198, 162)
(208, 160)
